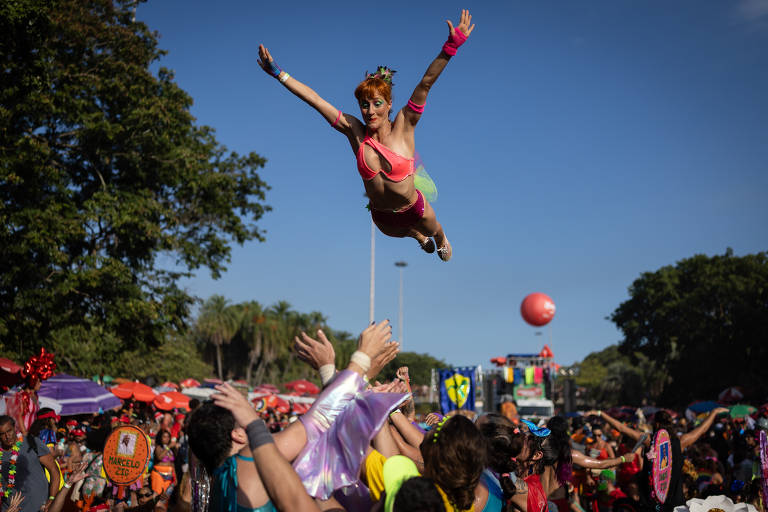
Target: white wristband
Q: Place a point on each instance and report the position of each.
(362, 360)
(327, 371)
(284, 78)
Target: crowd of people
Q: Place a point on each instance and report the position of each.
(361, 446)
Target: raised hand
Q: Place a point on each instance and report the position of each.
(14, 504)
(402, 374)
(378, 363)
(433, 419)
(374, 338)
(78, 473)
(315, 352)
(267, 63)
(231, 399)
(464, 24)
(720, 410)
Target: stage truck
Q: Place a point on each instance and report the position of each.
(525, 379)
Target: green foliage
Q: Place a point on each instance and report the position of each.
(703, 323)
(103, 172)
(260, 346)
(612, 378)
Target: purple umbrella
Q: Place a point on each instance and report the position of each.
(78, 396)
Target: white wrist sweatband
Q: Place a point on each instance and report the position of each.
(284, 78)
(362, 360)
(327, 371)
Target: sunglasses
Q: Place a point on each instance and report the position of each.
(144, 495)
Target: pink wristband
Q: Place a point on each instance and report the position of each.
(419, 109)
(454, 41)
(337, 120)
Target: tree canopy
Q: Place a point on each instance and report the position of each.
(703, 323)
(110, 192)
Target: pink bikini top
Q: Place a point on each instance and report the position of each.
(401, 167)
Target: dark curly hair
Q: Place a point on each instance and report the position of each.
(418, 494)
(455, 454)
(210, 434)
(505, 442)
(561, 445)
(549, 455)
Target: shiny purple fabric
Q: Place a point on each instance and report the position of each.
(332, 457)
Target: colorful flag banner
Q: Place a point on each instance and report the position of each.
(457, 389)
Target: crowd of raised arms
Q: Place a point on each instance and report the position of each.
(361, 447)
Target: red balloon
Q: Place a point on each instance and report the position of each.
(537, 309)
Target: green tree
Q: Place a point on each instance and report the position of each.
(613, 378)
(217, 324)
(104, 175)
(703, 322)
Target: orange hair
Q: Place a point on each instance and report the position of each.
(371, 87)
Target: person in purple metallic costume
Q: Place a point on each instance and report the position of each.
(385, 149)
(327, 445)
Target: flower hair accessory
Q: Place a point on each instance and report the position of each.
(382, 72)
(537, 431)
(39, 367)
(438, 427)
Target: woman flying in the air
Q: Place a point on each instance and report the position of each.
(385, 149)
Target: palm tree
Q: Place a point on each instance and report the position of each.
(217, 324)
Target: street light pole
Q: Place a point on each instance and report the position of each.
(401, 265)
(373, 272)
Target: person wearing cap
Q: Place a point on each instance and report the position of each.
(21, 467)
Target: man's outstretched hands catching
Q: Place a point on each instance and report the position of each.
(231, 399)
(315, 352)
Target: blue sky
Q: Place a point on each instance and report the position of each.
(575, 145)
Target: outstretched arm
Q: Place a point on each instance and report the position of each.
(621, 427)
(691, 437)
(587, 462)
(341, 122)
(456, 37)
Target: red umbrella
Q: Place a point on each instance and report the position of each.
(269, 387)
(171, 400)
(282, 405)
(169, 384)
(9, 373)
(190, 383)
(300, 408)
(731, 395)
(135, 390)
(9, 366)
(303, 386)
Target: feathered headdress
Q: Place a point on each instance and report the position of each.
(382, 72)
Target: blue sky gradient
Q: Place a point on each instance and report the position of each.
(575, 145)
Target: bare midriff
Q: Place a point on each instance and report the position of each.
(385, 194)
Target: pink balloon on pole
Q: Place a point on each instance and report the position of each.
(537, 309)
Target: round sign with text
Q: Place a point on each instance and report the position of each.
(126, 455)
